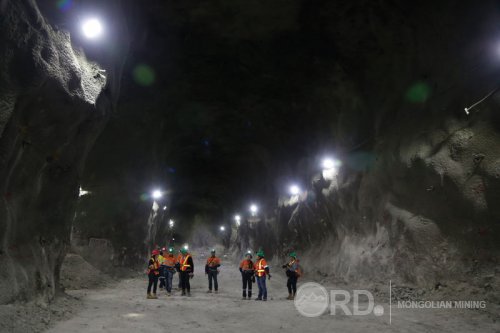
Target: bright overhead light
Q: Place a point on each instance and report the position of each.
(92, 28)
(254, 209)
(294, 190)
(186, 247)
(222, 228)
(237, 218)
(156, 194)
(164, 207)
(171, 223)
(329, 163)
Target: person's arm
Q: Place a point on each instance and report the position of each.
(190, 261)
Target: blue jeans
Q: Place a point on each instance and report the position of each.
(162, 276)
(261, 283)
(169, 275)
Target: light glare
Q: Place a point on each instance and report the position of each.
(254, 209)
(156, 194)
(294, 190)
(92, 28)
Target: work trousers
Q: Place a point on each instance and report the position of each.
(247, 283)
(261, 283)
(185, 281)
(169, 275)
(212, 276)
(153, 282)
(162, 276)
(291, 284)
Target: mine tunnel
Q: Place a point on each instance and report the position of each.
(249, 165)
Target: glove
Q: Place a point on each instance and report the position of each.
(191, 275)
(284, 266)
(269, 276)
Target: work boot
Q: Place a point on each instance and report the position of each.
(264, 299)
(289, 297)
(249, 295)
(149, 296)
(293, 296)
(209, 291)
(258, 299)
(183, 293)
(189, 294)
(216, 291)
(154, 296)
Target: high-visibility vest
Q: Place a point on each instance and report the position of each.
(169, 261)
(153, 267)
(184, 264)
(261, 267)
(213, 261)
(246, 265)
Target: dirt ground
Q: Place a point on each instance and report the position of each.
(123, 307)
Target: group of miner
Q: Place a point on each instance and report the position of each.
(165, 263)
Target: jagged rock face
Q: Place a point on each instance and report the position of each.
(53, 104)
(416, 197)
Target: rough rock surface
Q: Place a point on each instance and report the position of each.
(416, 198)
(53, 104)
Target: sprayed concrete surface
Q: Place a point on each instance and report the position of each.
(123, 307)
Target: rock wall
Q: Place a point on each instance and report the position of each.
(416, 198)
(53, 105)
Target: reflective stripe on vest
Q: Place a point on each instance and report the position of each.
(184, 264)
(260, 270)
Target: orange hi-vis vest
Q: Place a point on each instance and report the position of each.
(261, 267)
(213, 261)
(246, 265)
(169, 261)
(184, 263)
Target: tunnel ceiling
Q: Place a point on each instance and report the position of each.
(224, 102)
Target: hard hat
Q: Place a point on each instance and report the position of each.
(293, 255)
(249, 254)
(184, 251)
(155, 252)
(260, 253)
(171, 250)
(164, 249)
(213, 251)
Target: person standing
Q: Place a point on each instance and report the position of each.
(153, 272)
(186, 271)
(262, 270)
(169, 262)
(293, 272)
(212, 269)
(162, 268)
(179, 256)
(247, 275)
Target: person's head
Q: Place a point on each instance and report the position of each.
(260, 254)
(293, 255)
(184, 251)
(171, 251)
(212, 253)
(248, 256)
